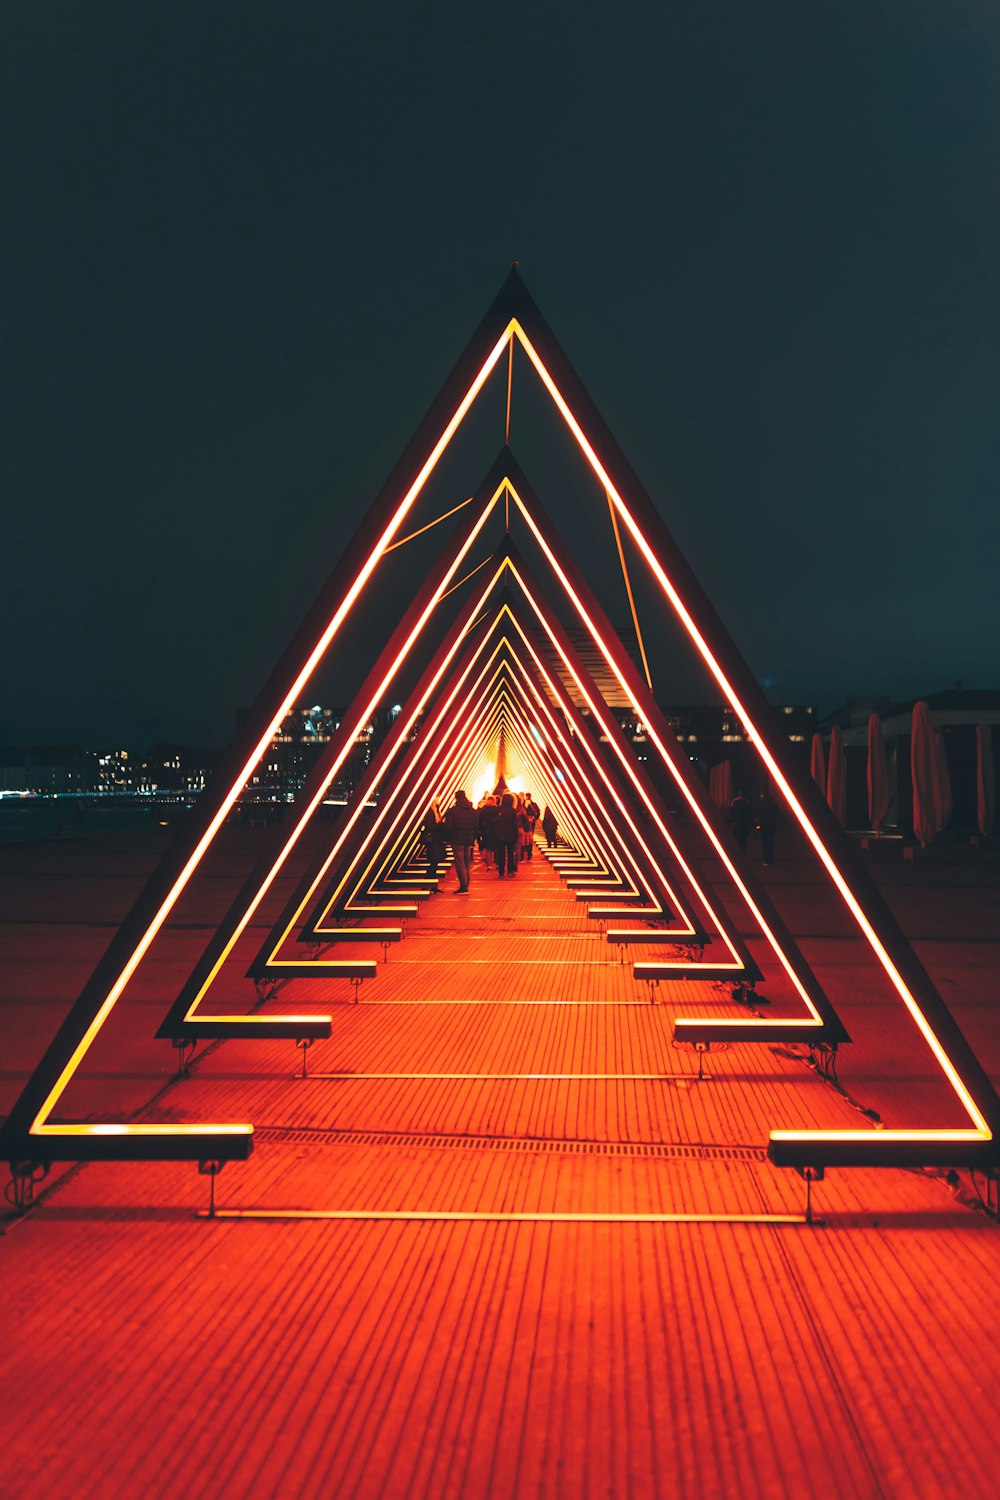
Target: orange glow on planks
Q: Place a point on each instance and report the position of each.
(305, 672)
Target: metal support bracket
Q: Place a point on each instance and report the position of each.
(701, 1048)
(810, 1175)
(24, 1178)
(211, 1170)
(305, 1042)
(357, 983)
(744, 992)
(653, 985)
(184, 1046)
(265, 988)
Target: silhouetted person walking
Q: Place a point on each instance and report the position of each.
(505, 836)
(434, 838)
(487, 821)
(766, 819)
(740, 820)
(550, 826)
(461, 826)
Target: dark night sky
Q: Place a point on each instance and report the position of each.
(241, 244)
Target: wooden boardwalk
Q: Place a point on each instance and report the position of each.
(461, 1320)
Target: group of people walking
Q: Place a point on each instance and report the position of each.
(502, 827)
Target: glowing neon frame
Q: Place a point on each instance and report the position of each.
(428, 771)
(375, 773)
(371, 782)
(29, 1133)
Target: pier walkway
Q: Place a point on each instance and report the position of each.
(506, 1238)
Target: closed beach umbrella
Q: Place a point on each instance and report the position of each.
(878, 774)
(720, 784)
(942, 784)
(922, 758)
(817, 763)
(986, 787)
(836, 777)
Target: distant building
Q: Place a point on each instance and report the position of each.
(114, 771)
(301, 739)
(711, 734)
(175, 768)
(45, 770)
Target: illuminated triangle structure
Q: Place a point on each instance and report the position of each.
(494, 688)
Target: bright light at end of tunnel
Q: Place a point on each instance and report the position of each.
(484, 783)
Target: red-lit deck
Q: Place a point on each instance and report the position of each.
(503, 1063)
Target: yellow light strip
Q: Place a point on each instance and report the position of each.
(169, 901)
(597, 710)
(681, 784)
(608, 872)
(427, 772)
(310, 806)
(443, 1216)
(628, 590)
(433, 767)
(691, 1077)
(231, 1132)
(732, 697)
(413, 716)
(554, 688)
(412, 536)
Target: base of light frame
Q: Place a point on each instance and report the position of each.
(813, 1150)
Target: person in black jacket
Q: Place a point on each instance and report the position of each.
(434, 839)
(550, 827)
(523, 829)
(487, 818)
(505, 835)
(766, 821)
(740, 820)
(461, 825)
(531, 808)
